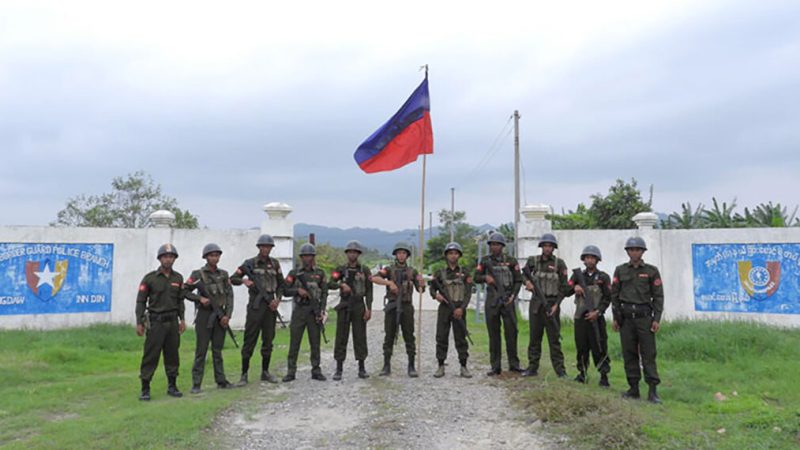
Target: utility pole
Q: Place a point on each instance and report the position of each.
(452, 213)
(516, 182)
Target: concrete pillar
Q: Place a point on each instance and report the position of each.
(645, 220)
(281, 228)
(533, 225)
(162, 219)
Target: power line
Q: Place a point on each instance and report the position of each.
(493, 149)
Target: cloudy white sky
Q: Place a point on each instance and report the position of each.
(230, 105)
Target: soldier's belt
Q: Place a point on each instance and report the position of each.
(636, 310)
(169, 316)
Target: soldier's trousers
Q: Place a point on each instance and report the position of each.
(539, 323)
(637, 339)
(351, 315)
(406, 324)
(259, 320)
(444, 320)
(161, 337)
(216, 337)
(508, 315)
(586, 342)
(303, 318)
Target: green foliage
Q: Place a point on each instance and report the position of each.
(464, 234)
(129, 204)
(724, 215)
(613, 211)
(330, 257)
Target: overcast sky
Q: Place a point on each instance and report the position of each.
(238, 104)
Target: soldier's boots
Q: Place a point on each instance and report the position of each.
(581, 377)
(412, 372)
(338, 374)
(290, 376)
(465, 373)
(604, 380)
(362, 371)
(530, 372)
(515, 369)
(316, 374)
(439, 371)
(561, 374)
(387, 367)
(493, 372)
(632, 392)
(242, 380)
(225, 384)
(268, 377)
(265, 375)
(145, 394)
(652, 395)
(195, 389)
(172, 388)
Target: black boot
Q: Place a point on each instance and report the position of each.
(338, 374)
(387, 366)
(652, 395)
(195, 389)
(604, 380)
(581, 377)
(632, 392)
(265, 375)
(412, 372)
(245, 368)
(530, 372)
(362, 371)
(288, 377)
(316, 374)
(172, 388)
(225, 385)
(493, 372)
(145, 395)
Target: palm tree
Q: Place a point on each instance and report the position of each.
(688, 218)
(722, 217)
(769, 215)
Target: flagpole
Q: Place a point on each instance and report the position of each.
(421, 261)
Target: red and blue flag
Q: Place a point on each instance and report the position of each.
(402, 138)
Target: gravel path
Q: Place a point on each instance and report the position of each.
(383, 412)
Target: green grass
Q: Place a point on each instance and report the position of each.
(79, 388)
(695, 361)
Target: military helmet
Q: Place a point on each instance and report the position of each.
(211, 248)
(167, 249)
(635, 242)
(548, 238)
(497, 238)
(592, 250)
(401, 246)
(454, 246)
(265, 239)
(353, 245)
(308, 249)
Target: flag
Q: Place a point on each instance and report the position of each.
(402, 138)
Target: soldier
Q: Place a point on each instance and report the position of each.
(551, 273)
(454, 284)
(354, 281)
(265, 285)
(214, 311)
(637, 296)
(160, 305)
(590, 307)
(310, 291)
(501, 274)
(400, 280)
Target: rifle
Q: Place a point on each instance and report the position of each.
(315, 306)
(578, 274)
(500, 290)
(438, 286)
(398, 302)
(538, 293)
(260, 292)
(216, 311)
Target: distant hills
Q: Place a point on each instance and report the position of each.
(380, 240)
